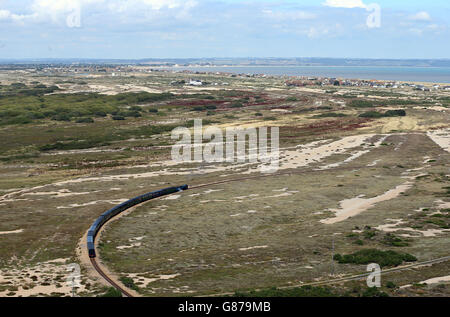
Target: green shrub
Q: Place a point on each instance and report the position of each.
(387, 114)
(359, 103)
(237, 105)
(374, 292)
(112, 292)
(371, 114)
(85, 120)
(64, 107)
(100, 114)
(330, 115)
(391, 239)
(73, 145)
(61, 117)
(383, 258)
(395, 113)
(135, 108)
(304, 291)
(391, 285)
(19, 120)
(128, 282)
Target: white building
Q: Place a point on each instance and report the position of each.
(195, 83)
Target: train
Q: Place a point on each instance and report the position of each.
(105, 217)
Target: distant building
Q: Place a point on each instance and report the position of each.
(195, 83)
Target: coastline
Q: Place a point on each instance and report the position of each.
(240, 70)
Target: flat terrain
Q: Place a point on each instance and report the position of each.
(74, 146)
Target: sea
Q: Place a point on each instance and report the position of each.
(403, 74)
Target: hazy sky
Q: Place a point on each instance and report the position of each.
(224, 28)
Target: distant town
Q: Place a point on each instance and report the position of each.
(126, 70)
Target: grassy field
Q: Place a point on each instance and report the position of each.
(74, 146)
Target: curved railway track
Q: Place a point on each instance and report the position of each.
(109, 280)
(329, 282)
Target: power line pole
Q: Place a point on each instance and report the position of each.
(332, 258)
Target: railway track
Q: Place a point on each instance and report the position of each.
(329, 282)
(109, 280)
(353, 277)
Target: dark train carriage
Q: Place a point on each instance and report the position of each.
(106, 216)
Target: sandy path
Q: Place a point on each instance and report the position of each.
(394, 227)
(437, 280)
(11, 232)
(441, 138)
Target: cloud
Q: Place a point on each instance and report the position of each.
(422, 16)
(156, 5)
(289, 15)
(56, 10)
(61, 11)
(6, 15)
(345, 4)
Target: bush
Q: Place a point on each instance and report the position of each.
(374, 292)
(135, 108)
(359, 242)
(371, 114)
(19, 120)
(74, 145)
(387, 114)
(128, 282)
(118, 118)
(358, 103)
(395, 113)
(100, 114)
(237, 105)
(61, 117)
(391, 285)
(383, 258)
(112, 292)
(394, 241)
(304, 291)
(65, 107)
(153, 110)
(85, 120)
(330, 115)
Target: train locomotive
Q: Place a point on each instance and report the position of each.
(105, 217)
